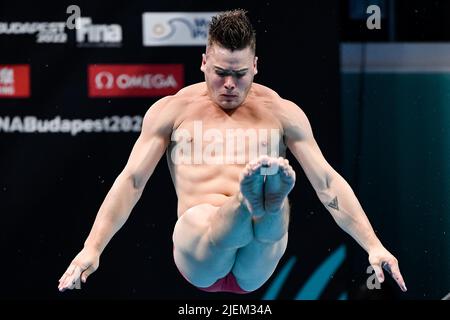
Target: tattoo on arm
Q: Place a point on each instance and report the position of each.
(334, 204)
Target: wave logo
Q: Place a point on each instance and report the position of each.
(176, 28)
(315, 284)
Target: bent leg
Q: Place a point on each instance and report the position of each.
(246, 236)
(206, 239)
(256, 262)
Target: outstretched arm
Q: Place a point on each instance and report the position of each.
(335, 193)
(124, 193)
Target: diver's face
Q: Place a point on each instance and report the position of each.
(228, 74)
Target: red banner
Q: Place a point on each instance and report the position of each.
(136, 80)
(15, 81)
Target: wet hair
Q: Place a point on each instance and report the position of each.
(232, 30)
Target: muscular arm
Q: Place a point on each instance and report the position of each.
(125, 192)
(128, 186)
(333, 191)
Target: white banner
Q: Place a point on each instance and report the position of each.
(176, 28)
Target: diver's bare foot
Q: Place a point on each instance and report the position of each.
(252, 185)
(277, 186)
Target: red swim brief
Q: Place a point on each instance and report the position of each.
(225, 284)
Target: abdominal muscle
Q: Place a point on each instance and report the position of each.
(204, 184)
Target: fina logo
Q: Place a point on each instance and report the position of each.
(176, 29)
(97, 35)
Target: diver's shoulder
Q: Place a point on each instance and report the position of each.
(273, 99)
(183, 97)
(265, 92)
(184, 100)
(192, 91)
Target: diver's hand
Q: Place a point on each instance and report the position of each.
(82, 266)
(379, 259)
